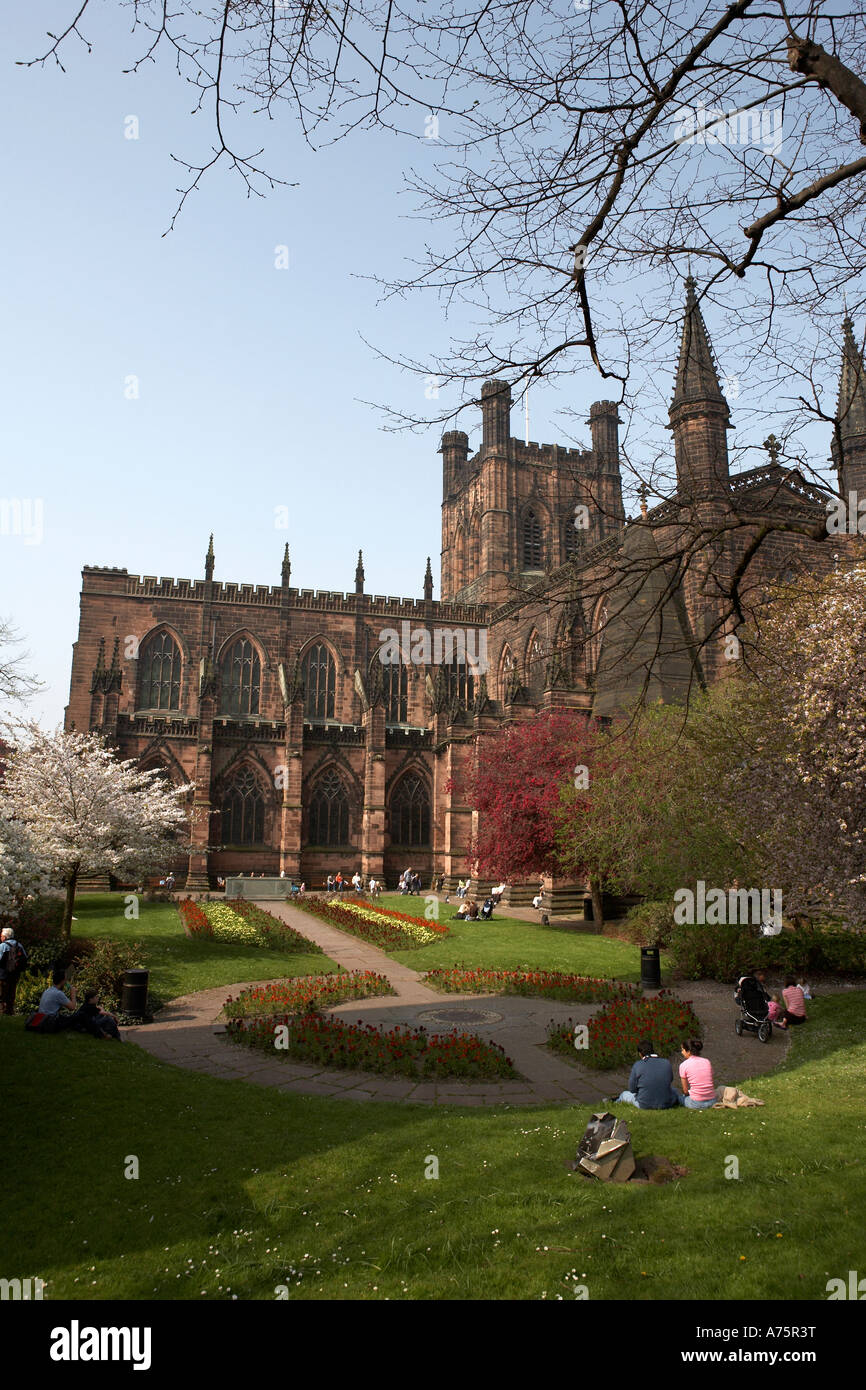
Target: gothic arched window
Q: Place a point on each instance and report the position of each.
(410, 813)
(329, 811)
(395, 690)
(320, 683)
(243, 810)
(159, 659)
(460, 681)
(241, 679)
(535, 668)
(532, 542)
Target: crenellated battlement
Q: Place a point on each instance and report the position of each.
(149, 586)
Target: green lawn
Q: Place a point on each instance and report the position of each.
(242, 1189)
(506, 943)
(179, 964)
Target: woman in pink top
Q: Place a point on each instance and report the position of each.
(696, 1075)
(795, 1003)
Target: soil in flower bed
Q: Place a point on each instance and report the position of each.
(617, 1028)
(329, 1042)
(380, 926)
(546, 984)
(299, 996)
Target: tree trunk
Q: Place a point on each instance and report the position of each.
(71, 881)
(597, 903)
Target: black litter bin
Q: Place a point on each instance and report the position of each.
(650, 967)
(133, 995)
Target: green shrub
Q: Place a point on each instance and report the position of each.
(713, 952)
(102, 969)
(724, 952)
(814, 950)
(29, 992)
(648, 924)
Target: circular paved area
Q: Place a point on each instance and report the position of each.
(187, 1033)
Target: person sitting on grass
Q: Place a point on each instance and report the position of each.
(90, 1018)
(55, 1008)
(696, 1076)
(651, 1083)
(795, 1003)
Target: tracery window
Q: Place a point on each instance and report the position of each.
(243, 810)
(320, 682)
(410, 813)
(159, 659)
(329, 811)
(241, 679)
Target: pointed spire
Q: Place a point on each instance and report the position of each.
(851, 405)
(287, 567)
(115, 675)
(697, 378)
(359, 574)
(699, 414)
(849, 436)
(99, 672)
(209, 559)
(428, 583)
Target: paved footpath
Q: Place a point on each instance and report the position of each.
(188, 1034)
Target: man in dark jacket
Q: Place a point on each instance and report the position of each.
(13, 959)
(651, 1083)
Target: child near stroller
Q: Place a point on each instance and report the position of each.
(753, 1000)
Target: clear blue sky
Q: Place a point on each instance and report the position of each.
(251, 378)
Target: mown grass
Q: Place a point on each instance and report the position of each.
(242, 1190)
(180, 964)
(507, 943)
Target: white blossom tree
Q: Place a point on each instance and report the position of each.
(21, 868)
(86, 811)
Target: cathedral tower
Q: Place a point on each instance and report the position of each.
(849, 440)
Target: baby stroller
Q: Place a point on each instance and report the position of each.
(752, 999)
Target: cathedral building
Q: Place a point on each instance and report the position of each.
(330, 730)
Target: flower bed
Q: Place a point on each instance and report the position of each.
(329, 1042)
(302, 995)
(617, 1028)
(380, 926)
(548, 984)
(242, 923)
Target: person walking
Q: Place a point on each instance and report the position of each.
(13, 959)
